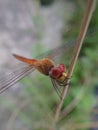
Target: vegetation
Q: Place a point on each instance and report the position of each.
(38, 110)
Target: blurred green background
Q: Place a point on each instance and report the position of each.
(32, 106)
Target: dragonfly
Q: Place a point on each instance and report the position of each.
(45, 65)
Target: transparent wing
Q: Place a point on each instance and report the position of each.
(58, 50)
(14, 75)
(19, 71)
(57, 87)
(66, 48)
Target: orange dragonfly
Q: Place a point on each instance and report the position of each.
(46, 66)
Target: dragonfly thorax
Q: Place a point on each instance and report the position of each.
(44, 65)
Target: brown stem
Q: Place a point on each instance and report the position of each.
(83, 29)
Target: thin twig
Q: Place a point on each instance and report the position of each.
(83, 29)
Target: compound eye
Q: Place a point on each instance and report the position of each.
(55, 72)
(62, 67)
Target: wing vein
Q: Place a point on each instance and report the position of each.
(15, 78)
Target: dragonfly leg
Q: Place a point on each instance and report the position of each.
(64, 82)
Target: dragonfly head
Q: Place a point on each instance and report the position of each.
(57, 71)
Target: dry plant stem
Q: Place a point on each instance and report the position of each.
(83, 29)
